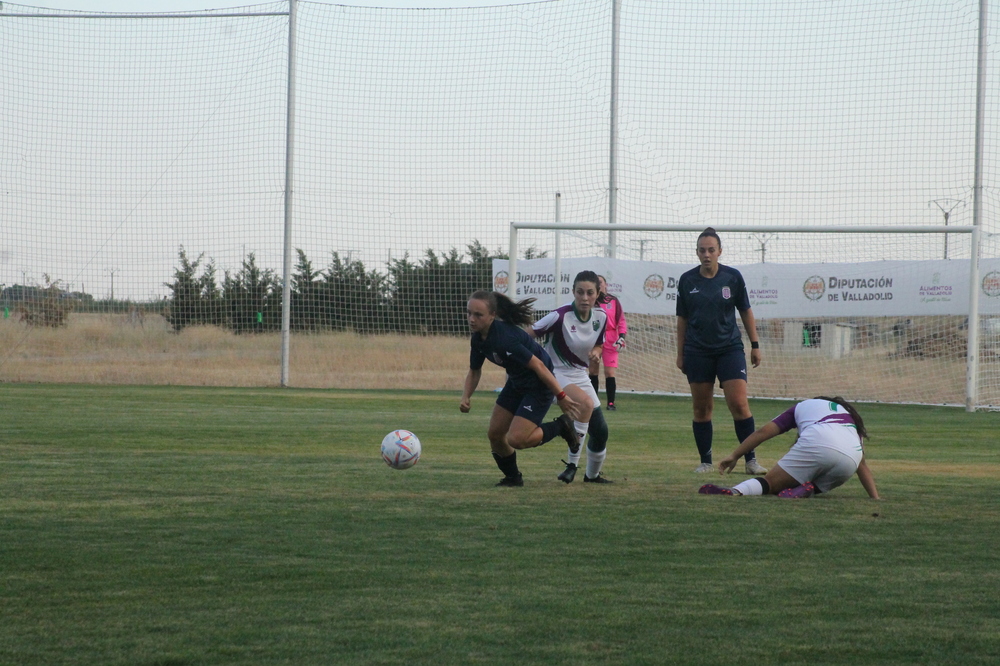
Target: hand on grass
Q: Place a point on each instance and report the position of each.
(726, 465)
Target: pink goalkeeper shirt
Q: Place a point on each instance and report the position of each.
(617, 326)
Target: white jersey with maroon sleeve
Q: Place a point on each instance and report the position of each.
(824, 424)
(568, 341)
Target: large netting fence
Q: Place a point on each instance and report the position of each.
(144, 163)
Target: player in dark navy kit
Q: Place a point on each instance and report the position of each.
(710, 346)
(520, 408)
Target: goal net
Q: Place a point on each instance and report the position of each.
(890, 323)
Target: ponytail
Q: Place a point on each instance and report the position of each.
(862, 432)
(518, 314)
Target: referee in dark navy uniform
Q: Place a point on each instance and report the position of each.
(710, 346)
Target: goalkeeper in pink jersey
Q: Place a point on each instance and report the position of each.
(573, 336)
(614, 342)
(829, 451)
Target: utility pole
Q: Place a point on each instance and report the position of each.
(642, 247)
(112, 271)
(947, 206)
(763, 239)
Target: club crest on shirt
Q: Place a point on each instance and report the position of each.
(726, 293)
(596, 326)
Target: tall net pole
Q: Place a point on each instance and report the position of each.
(972, 364)
(613, 130)
(286, 277)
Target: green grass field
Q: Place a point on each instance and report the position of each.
(170, 525)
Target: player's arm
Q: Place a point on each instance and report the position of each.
(867, 480)
(622, 324)
(682, 323)
(750, 326)
(471, 382)
(566, 403)
(760, 435)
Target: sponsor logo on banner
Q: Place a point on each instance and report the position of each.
(853, 287)
(763, 296)
(814, 288)
(500, 282)
(936, 291)
(653, 286)
(991, 284)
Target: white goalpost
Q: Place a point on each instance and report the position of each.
(916, 340)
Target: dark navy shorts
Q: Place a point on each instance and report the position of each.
(702, 367)
(532, 406)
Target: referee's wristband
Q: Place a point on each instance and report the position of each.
(754, 344)
(561, 395)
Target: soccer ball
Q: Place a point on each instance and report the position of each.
(400, 449)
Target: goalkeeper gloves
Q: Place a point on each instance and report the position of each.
(620, 343)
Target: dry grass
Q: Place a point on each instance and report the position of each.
(109, 349)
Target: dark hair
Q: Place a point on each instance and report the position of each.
(709, 232)
(505, 309)
(603, 296)
(850, 410)
(588, 276)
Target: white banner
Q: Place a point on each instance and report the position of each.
(882, 288)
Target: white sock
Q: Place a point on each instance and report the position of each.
(595, 461)
(581, 436)
(749, 487)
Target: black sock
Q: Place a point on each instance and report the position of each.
(744, 429)
(611, 386)
(594, 380)
(765, 487)
(598, 431)
(550, 431)
(508, 465)
(703, 439)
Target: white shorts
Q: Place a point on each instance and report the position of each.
(581, 378)
(827, 455)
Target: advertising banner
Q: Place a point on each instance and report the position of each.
(873, 289)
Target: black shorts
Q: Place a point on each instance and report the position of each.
(704, 367)
(530, 405)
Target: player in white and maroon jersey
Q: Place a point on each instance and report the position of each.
(828, 452)
(573, 336)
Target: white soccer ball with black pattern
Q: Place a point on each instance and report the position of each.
(400, 449)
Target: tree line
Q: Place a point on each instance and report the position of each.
(421, 297)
